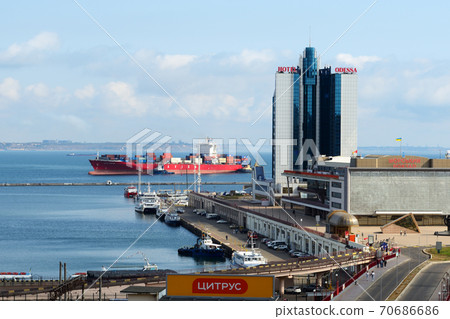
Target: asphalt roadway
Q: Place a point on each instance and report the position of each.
(386, 284)
(424, 284)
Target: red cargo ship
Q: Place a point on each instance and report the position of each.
(209, 161)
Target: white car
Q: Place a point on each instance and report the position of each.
(293, 290)
(299, 254)
(280, 247)
(222, 221)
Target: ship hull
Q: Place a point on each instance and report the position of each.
(183, 169)
(112, 167)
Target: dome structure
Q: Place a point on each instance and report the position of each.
(341, 218)
(341, 222)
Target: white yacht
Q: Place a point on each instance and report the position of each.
(248, 258)
(148, 204)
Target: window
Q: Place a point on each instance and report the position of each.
(336, 184)
(336, 195)
(336, 205)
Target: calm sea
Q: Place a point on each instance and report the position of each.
(85, 227)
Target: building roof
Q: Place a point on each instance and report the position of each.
(142, 290)
(341, 218)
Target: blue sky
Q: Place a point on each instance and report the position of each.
(62, 77)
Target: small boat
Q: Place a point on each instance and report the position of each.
(249, 258)
(172, 219)
(162, 212)
(204, 248)
(124, 268)
(15, 275)
(130, 192)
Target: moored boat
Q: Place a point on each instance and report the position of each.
(15, 275)
(130, 191)
(248, 258)
(172, 219)
(204, 248)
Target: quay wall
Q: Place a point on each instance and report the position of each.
(198, 232)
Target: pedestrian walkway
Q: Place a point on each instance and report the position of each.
(353, 291)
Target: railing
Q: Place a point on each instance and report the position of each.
(339, 289)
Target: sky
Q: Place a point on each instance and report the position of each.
(102, 71)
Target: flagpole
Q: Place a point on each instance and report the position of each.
(401, 141)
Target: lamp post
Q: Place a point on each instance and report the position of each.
(337, 283)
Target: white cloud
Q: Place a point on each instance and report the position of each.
(250, 58)
(120, 96)
(429, 90)
(86, 92)
(39, 90)
(164, 61)
(10, 89)
(356, 61)
(31, 50)
(174, 61)
(45, 96)
(73, 121)
(220, 106)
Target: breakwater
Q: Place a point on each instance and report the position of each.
(110, 183)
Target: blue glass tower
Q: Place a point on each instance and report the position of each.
(309, 105)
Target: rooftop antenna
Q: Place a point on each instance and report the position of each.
(309, 36)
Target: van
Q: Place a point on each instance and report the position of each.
(212, 216)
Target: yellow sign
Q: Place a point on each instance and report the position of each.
(220, 286)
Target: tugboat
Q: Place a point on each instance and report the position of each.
(204, 248)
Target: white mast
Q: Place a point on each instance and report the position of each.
(199, 178)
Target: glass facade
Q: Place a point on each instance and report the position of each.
(312, 104)
(309, 94)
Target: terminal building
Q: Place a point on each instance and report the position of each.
(376, 189)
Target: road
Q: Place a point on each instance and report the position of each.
(386, 284)
(425, 283)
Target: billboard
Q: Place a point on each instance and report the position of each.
(224, 286)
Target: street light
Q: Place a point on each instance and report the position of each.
(337, 283)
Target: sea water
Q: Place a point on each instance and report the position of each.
(86, 227)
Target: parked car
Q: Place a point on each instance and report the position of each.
(222, 221)
(265, 240)
(212, 216)
(274, 243)
(299, 254)
(200, 211)
(280, 247)
(180, 210)
(293, 290)
(311, 288)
